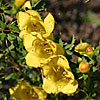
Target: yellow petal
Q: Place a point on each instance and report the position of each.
(36, 26)
(82, 47)
(41, 93)
(60, 49)
(34, 13)
(49, 86)
(28, 40)
(18, 3)
(62, 61)
(22, 33)
(27, 4)
(38, 35)
(33, 60)
(70, 88)
(23, 19)
(49, 23)
(51, 37)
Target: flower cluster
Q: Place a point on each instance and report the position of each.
(38, 39)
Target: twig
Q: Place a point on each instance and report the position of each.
(18, 65)
(6, 30)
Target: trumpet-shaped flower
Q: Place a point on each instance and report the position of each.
(32, 22)
(24, 91)
(81, 48)
(58, 76)
(42, 50)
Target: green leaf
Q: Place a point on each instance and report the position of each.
(95, 69)
(2, 36)
(1, 55)
(98, 59)
(69, 52)
(85, 76)
(39, 5)
(31, 1)
(70, 46)
(77, 70)
(2, 25)
(11, 37)
(9, 76)
(61, 42)
(92, 62)
(11, 47)
(94, 94)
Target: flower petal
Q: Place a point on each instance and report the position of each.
(23, 19)
(49, 23)
(34, 13)
(33, 60)
(22, 33)
(28, 40)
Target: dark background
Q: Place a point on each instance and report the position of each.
(71, 17)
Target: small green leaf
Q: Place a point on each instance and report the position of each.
(98, 59)
(94, 94)
(69, 52)
(85, 76)
(61, 42)
(9, 76)
(2, 25)
(2, 36)
(11, 37)
(68, 46)
(1, 55)
(91, 62)
(95, 69)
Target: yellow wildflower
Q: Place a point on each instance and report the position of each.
(24, 91)
(58, 76)
(32, 22)
(42, 50)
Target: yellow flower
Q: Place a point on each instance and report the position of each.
(42, 50)
(58, 76)
(81, 48)
(24, 91)
(32, 22)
